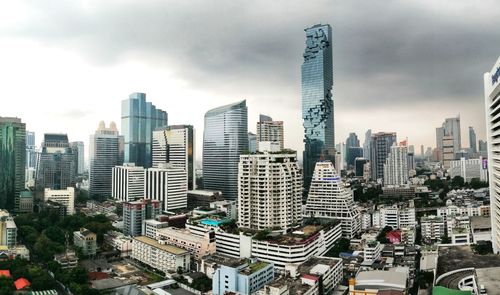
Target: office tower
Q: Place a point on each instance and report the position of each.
(352, 154)
(30, 150)
(491, 98)
(269, 130)
(106, 152)
(12, 161)
(451, 130)
(127, 182)
(139, 119)
(317, 99)
(472, 140)
(175, 145)
(269, 191)
(329, 198)
(136, 212)
(411, 161)
(359, 166)
(252, 142)
(411, 148)
(366, 144)
(56, 167)
(65, 197)
(380, 147)
(483, 148)
(447, 151)
(422, 151)
(396, 166)
(167, 184)
(79, 152)
(352, 141)
(225, 137)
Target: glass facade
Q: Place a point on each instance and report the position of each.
(139, 119)
(12, 161)
(317, 101)
(225, 137)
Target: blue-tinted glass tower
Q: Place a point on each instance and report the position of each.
(139, 119)
(225, 137)
(317, 101)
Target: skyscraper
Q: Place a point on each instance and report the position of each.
(269, 130)
(329, 198)
(396, 166)
(366, 144)
(269, 191)
(252, 142)
(168, 184)
(449, 129)
(317, 100)
(56, 167)
(139, 119)
(472, 140)
(176, 145)
(380, 147)
(106, 152)
(12, 161)
(79, 151)
(352, 142)
(225, 137)
(30, 150)
(491, 99)
(128, 182)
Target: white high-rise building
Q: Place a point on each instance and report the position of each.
(128, 182)
(492, 103)
(396, 166)
(269, 130)
(65, 197)
(469, 169)
(269, 191)
(168, 184)
(175, 145)
(329, 198)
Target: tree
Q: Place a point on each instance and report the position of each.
(56, 234)
(341, 245)
(45, 248)
(457, 182)
(79, 275)
(381, 237)
(6, 286)
(40, 279)
(28, 234)
(476, 183)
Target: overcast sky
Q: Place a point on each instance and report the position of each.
(402, 66)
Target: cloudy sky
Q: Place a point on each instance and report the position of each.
(402, 66)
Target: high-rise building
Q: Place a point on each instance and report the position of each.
(317, 99)
(127, 182)
(64, 197)
(78, 148)
(359, 166)
(175, 145)
(329, 198)
(168, 184)
(136, 212)
(483, 148)
(396, 166)
(380, 146)
(472, 140)
(56, 167)
(252, 142)
(225, 137)
(422, 154)
(30, 150)
(367, 144)
(352, 154)
(447, 151)
(106, 152)
(12, 161)
(450, 129)
(492, 98)
(269, 130)
(270, 191)
(352, 141)
(139, 119)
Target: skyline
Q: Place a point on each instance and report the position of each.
(407, 67)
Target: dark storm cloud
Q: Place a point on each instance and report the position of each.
(385, 52)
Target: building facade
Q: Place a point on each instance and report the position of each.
(65, 197)
(167, 184)
(57, 163)
(139, 119)
(225, 137)
(106, 152)
(30, 150)
(136, 212)
(469, 169)
(472, 141)
(396, 166)
(85, 240)
(197, 245)
(269, 191)
(329, 198)
(12, 161)
(127, 182)
(317, 99)
(379, 150)
(269, 130)
(165, 258)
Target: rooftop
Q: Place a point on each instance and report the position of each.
(480, 222)
(489, 278)
(458, 257)
(378, 278)
(224, 260)
(168, 248)
(254, 267)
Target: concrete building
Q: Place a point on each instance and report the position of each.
(433, 228)
(8, 230)
(329, 198)
(106, 152)
(127, 182)
(372, 251)
(269, 191)
(449, 139)
(269, 130)
(168, 184)
(241, 277)
(469, 169)
(203, 198)
(379, 281)
(252, 142)
(175, 145)
(447, 151)
(165, 258)
(395, 216)
(119, 241)
(396, 166)
(85, 240)
(380, 148)
(65, 197)
(197, 245)
(136, 212)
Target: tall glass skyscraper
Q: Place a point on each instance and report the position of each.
(12, 161)
(225, 137)
(139, 119)
(317, 101)
(30, 150)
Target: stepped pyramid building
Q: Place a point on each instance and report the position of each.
(328, 198)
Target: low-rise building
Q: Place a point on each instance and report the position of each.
(119, 242)
(160, 256)
(202, 198)
(372, 251)
(65, 197)
(8, 230)
(375, 281)
(433, 228)
(67, 259)
(86, 240)
(199, 246)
